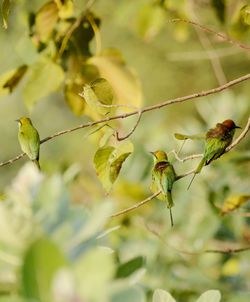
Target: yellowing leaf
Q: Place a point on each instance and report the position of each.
(116, 166)
(231, 267)
(12, 82)
(234, 202)
(245, 13)
(45, 77)
(125, 83)
(151, 20)
(108, 162)
(46, 19)
(97, 93)
(3, 79)
(5, 12)
(75, 102)
(66, 8)
(102, 165)
(180, 136)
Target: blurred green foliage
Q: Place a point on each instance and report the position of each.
(57, 240)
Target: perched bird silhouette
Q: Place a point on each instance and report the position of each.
(29, 139)
(217, 140)
(163, 178)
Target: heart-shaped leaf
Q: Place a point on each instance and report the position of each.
(161, 295)
(210, 296)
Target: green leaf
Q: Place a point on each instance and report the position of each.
(102, 165)
(210, 296)
(129, 294)
(13, 81)
(97, 93)
(46, 19)
(116, 166)
(152, 19)
(245, 13)
(128, 268)
(66, 8)
(125, 83)
(180, 136)
(240, 25)
(161, 295)
(93, 272)
(41, 261)
(108, 161)
(5, 12)
(45, 77)
(219, 7)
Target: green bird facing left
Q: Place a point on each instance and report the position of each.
(29, 139)
(163, 178)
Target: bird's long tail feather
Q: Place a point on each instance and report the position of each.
(197, 171)
(171, 217)
(36, 162)
(170, 205)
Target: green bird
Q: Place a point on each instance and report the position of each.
(29, 139)
(163, 178)
(217, 140)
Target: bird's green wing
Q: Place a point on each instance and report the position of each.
(34, 143)
(214, 149)
(30, 141)
(156, 184)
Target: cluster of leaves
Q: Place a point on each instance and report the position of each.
(59, 252)
(61, 37)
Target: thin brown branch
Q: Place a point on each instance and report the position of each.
(11, 161)
(242, 214)
(202, 55)
(229, 250)
(185, 174)
(208, 47)
(182, 160)
(209, 30)
(136, 206)
(121, 138)
(143, 110)
(68, 35)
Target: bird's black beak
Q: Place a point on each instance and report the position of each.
(237, 127)
(17, 121)
(153, 154)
